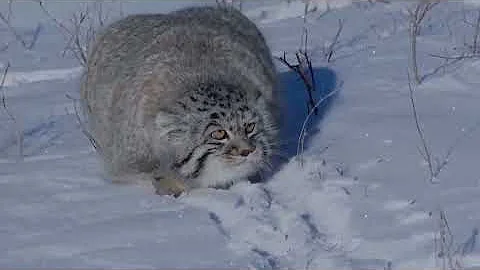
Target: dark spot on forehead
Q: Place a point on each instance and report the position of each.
(194, 99)
(213, 95)
(243, 108)
(214, 116)
(202, 109)
(182, 105)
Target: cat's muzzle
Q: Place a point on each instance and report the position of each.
(240, 147)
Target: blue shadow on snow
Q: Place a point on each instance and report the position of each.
(293, 99)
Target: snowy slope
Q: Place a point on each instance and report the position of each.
(361, 199)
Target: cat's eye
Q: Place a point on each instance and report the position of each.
(219, 134)
(250, 127)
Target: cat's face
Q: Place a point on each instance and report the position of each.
(233, 135)
(238, 145)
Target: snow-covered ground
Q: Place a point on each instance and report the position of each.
(361, 200)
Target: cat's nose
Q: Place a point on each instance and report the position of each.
(247, 151)
(242, 151)
(240, 147)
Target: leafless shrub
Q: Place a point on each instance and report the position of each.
(471, 19)
(416, 16)
(11, 117)
(469, 50)
(9, 14)
(303, 68)
(82, 123)
(329, 51)
(425, 151)
(435, 164)
(27, 44)
(448, 254)
(303, 131)
(476, 34)
(80, 30)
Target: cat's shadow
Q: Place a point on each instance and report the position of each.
(293, 99)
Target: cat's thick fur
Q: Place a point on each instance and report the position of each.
(184, 99)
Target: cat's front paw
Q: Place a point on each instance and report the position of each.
(170, 186)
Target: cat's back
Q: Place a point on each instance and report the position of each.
(197, 41)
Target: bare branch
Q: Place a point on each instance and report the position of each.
(445, 245)
(81, 29)
(416, 17)
(301, 138)
(17, 36)
(82, 123)
(449, 61)
(51, 17)
(442, 163)
(331, 49)
(426, 153)
(11, 117)
(303, 68)
(474, 47)
(476, 34)
(458, 57)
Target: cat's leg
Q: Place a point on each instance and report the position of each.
(169, 184)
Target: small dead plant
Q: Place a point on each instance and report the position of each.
(81, 122)
(15, 122)
(26, 44)
(435, 164)
(416, 16)
(448, 254)
(302, 66)
(80, 30)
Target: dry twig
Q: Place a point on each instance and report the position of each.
(81, 30)
(81, 123)
(304, 69)
(11, 117)
(425, 152)
(25, 44)
(330, 51)
(303, 131)
(416, 17)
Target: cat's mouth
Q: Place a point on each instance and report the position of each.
(236, 160)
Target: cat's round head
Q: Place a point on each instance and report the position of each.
(234, 135)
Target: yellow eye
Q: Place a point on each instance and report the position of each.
(219, 134)
(250, 127)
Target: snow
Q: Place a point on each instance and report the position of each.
(361, 198)
(17, 78)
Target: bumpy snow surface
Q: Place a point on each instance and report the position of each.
(359, 197)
